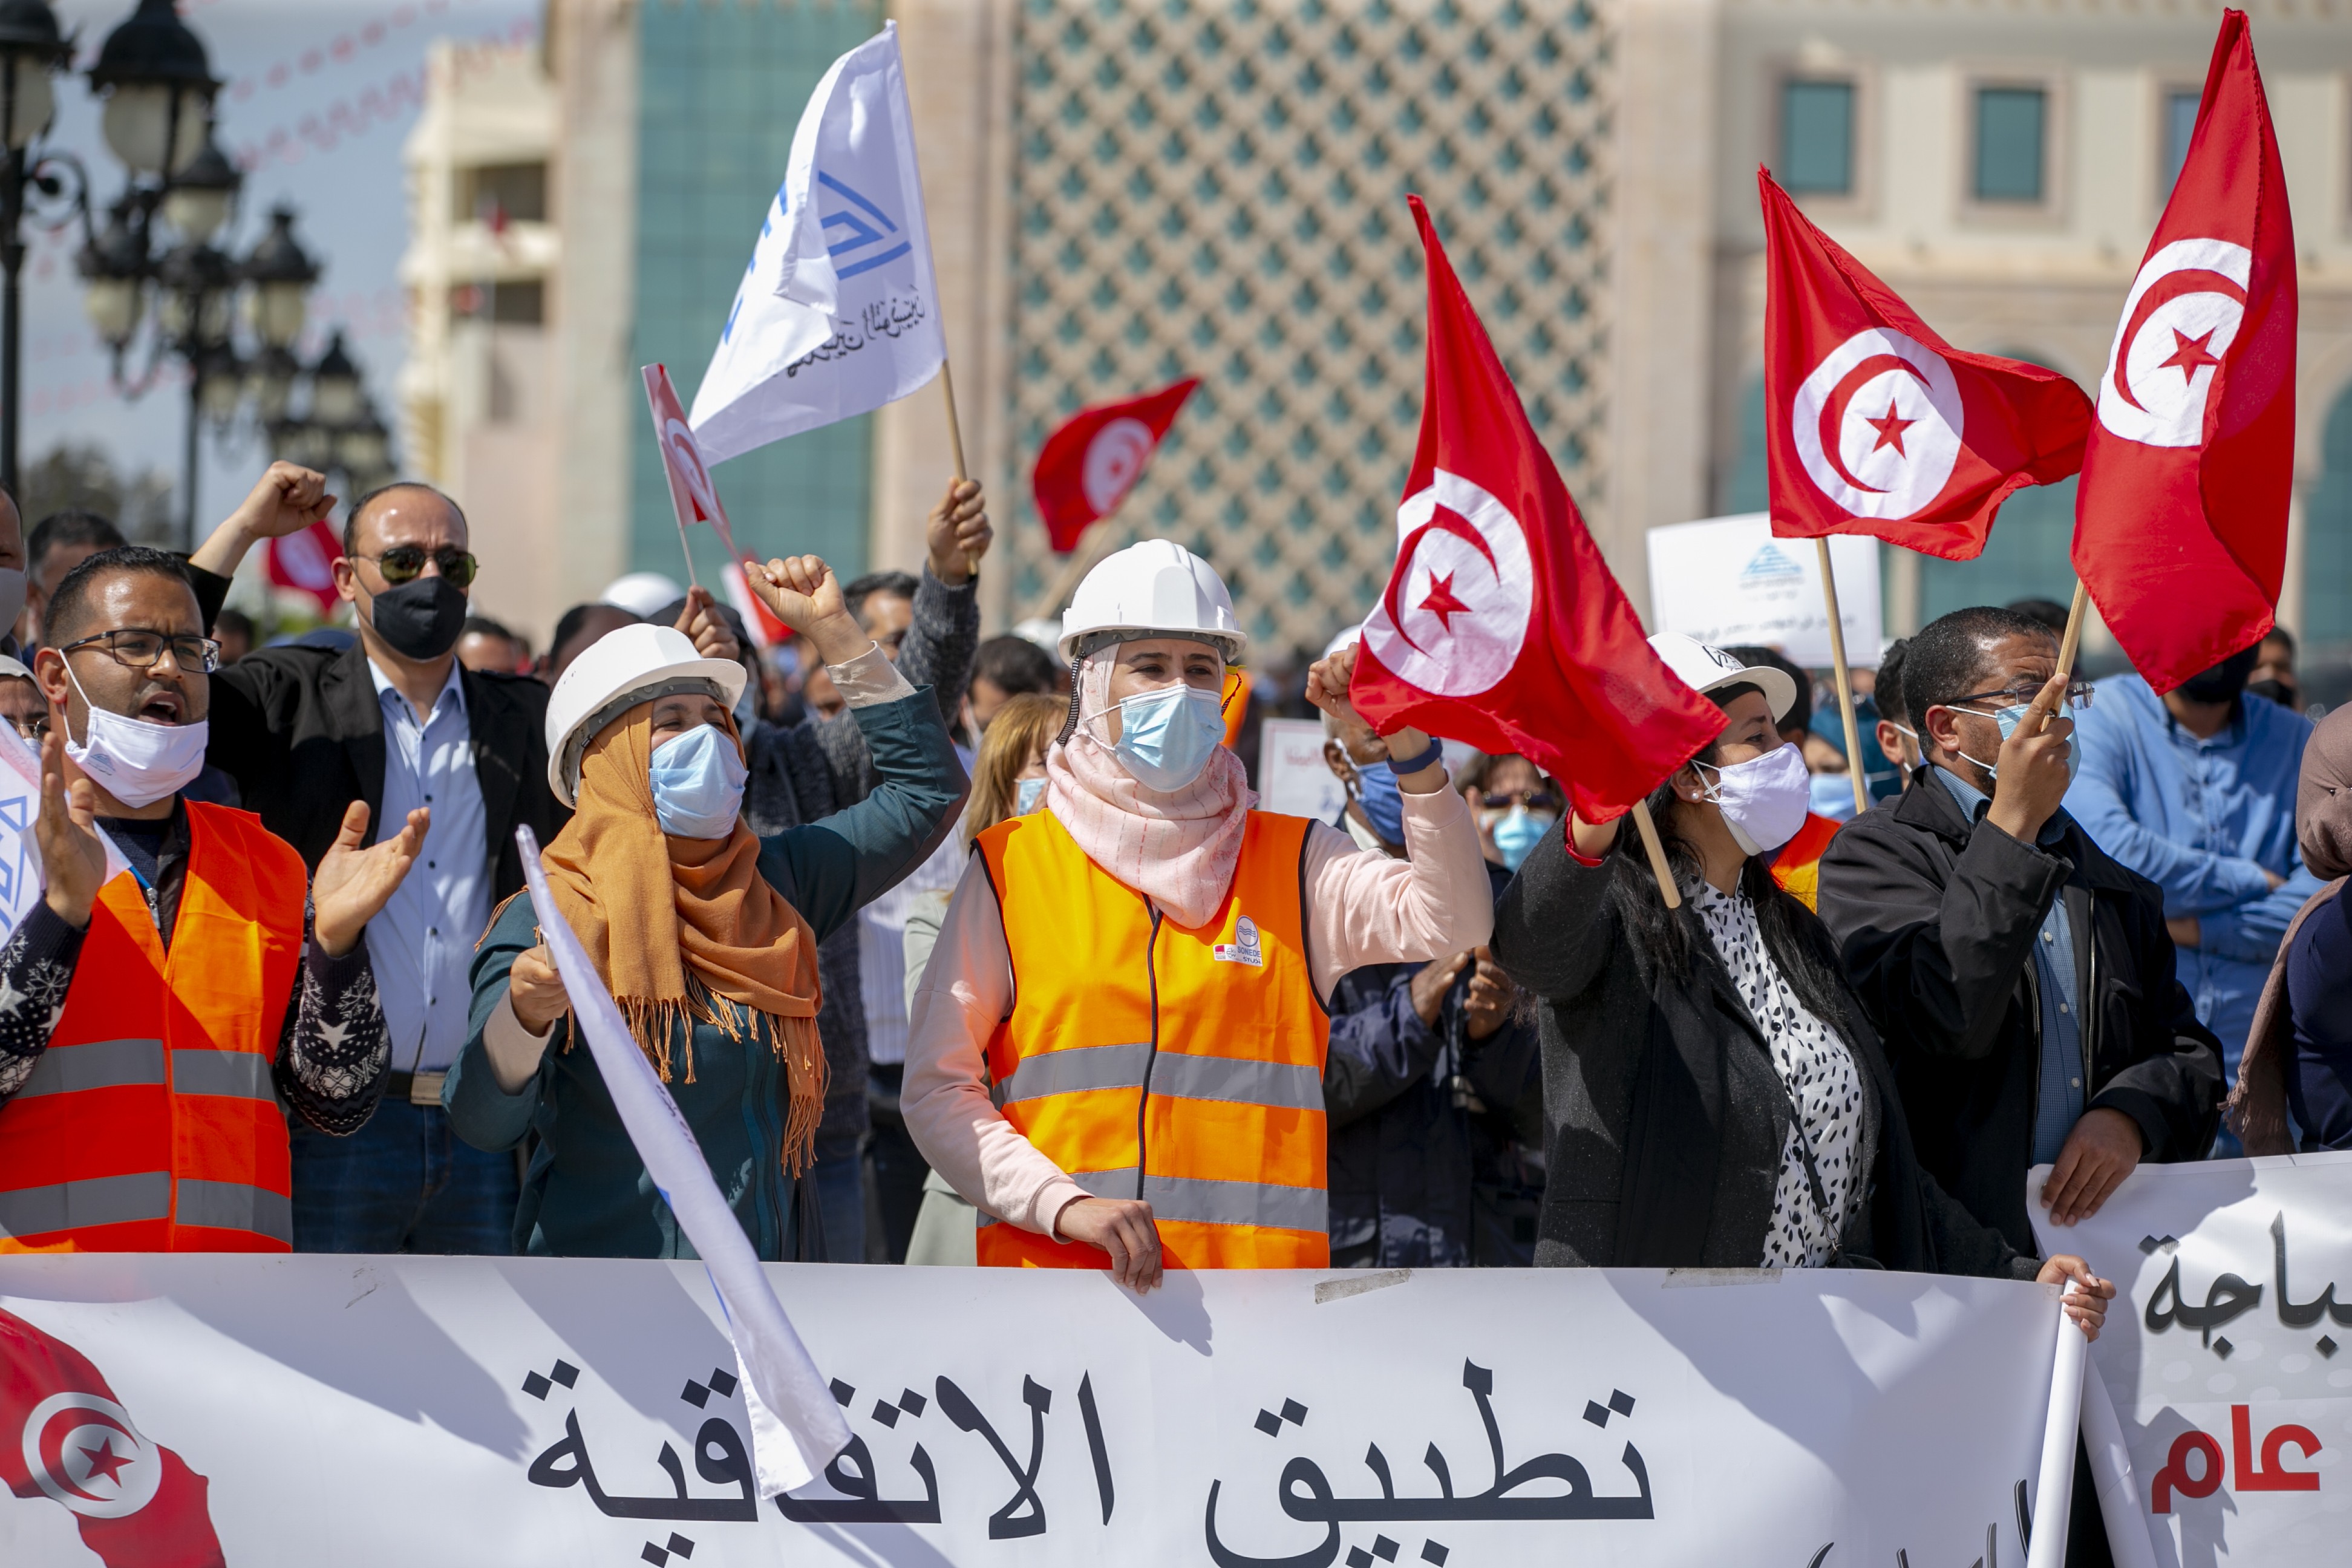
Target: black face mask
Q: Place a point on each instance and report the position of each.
(2224, 680)
(421, 620)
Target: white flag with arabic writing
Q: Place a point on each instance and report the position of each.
(837, 313)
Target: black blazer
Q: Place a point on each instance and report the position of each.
(1935, 917)
(300, 730)
(1664, 1116)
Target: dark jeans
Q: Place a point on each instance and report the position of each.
(840, 1180)
(895, 1170)
(403, 1183)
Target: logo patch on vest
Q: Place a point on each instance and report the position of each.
(1243, 948)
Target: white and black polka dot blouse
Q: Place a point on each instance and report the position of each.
(1820, 1075)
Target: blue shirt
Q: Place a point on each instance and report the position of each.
(422, 942)
(2204, 820)
(2059, 1096)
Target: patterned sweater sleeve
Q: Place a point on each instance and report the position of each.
(334, 1052)
(36, 967)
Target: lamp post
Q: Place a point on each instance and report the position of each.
(31, 49)
(339, 431)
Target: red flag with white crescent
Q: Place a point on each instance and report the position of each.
(1502, 625)
(65, 1437)
(1874, 424)
(305, 561)
(2180, 524)
(694, 497)
(1086, 465)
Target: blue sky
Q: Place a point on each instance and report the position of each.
(321, 93)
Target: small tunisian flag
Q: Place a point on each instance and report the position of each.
(2180, 524)
(63, 1436)
(306, 561)
(1874, 425)
(1502, 625)
(1085, 468)
(694, 497)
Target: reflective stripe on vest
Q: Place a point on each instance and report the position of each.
(1181, 1066)
(150, 1121)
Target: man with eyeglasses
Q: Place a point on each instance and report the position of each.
(2024, 981)
(396, 720)
(152, 1018)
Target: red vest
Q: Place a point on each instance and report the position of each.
(150, 1123)
(1147, 1059)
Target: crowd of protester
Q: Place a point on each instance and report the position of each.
(958, 949)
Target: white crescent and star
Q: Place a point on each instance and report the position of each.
(2183, 313)
(1114, 458)
(1456, 612)
(82, 1450)
(686, 458)
(1877, 425)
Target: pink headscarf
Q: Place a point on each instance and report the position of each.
(1177, 849)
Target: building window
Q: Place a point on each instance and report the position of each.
(2179, 124)
(516, 302)
(519, 190)
(1816, 138)
(2011, 138)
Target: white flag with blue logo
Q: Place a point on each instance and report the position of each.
(837, 313)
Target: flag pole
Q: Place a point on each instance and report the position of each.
(955, 444)
(691, 580)
(1845, 680)
(2072, 643)
(1657, 853)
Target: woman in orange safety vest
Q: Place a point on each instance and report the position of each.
(1117, 1050)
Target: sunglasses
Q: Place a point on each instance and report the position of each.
(144, 649)
(405, 564)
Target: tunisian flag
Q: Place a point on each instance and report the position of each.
(1502, 625)
(1086, 467)
(63, 1436)
(305, 561)
(2180, 524)
(1874, 424)
(694, 497)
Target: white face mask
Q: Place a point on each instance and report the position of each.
(137, 762)
(1763, 801)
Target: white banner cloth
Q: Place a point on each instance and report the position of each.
(2227, 1353)
(795, 1427)
(838, 312)
(1727, 580)
(401, 1410)
(23, 878)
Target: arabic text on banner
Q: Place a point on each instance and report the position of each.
(2228, 1352)
(586, 1411)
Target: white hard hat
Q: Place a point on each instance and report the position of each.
(643, 593)
(1704, 669)
(1154, 588)
(620, 669)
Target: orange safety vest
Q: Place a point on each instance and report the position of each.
(1178, 1065)
(1798, 867)
(150, 1124)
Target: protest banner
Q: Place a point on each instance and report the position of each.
(1293, 777)
(2222, 1354)
(398, 1410)
(1727, 580)
(838, 312)
(21, 879)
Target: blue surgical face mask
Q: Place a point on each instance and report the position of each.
(1518, 834)
(1376, 792)
(1831, 795)
(2009, 719)
(1166, 737)
(698, 782)
(1028, 795)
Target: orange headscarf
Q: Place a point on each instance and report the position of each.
(702, 935)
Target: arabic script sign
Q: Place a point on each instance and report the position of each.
(587, 1412)
(2229, 1354)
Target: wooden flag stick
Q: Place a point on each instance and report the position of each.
(2072, 643)
(692, 581)
(1657, 853)
(955, 444)
(1845, 681)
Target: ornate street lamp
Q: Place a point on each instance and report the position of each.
(31, 51)
(339, 431)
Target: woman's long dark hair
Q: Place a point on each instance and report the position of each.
(1662, 938)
